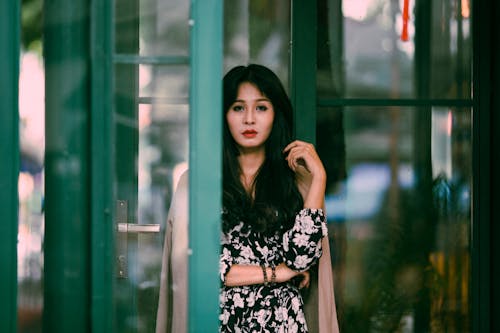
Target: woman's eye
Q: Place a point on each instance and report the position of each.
(237, 108)
(261, 108)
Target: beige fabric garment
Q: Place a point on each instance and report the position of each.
(172, 305)
(327, 310)
(319, 302)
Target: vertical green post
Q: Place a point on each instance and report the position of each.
(422, 161)
(66, 244)
(9, 168)
(484, 155)
(101, 167)
(303, 68)
(205, 167)
(488, 214)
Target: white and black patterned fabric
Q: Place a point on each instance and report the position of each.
(277, 307)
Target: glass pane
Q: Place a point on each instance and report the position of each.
(31, 192)
(151, 147)
(362, 53)
(451, 49)
(166, 34)
(257, 31)
(167, 82)
(400, 216)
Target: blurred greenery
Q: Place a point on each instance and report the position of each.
(31, 25)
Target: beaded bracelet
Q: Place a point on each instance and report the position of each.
(264, 272)
(273, 274)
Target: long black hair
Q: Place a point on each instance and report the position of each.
(276, 199)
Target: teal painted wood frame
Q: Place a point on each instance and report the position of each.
(9, 154)
(303, 69)
(67, 227)
(101, 167)
(205, 164)
(494, 180)
(484, 152)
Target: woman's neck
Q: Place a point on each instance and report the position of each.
(250, 163)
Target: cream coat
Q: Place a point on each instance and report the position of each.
(172, 306)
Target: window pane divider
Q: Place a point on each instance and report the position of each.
(336, 102)
(164, 100)
(101, 163)
(121, 58)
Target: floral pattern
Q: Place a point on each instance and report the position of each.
(271, 308)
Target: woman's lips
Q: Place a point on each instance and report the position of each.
(249, 133)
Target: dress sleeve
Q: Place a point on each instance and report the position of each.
(302, 243)
(226, 257)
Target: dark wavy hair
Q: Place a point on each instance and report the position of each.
(277, 198)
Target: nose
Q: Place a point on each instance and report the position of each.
(249, 117)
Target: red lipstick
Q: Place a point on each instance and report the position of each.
(249, 133)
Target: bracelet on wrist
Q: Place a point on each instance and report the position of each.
(264, 272)
(273, 274)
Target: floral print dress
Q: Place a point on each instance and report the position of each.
(271, 308)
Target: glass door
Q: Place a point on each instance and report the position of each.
(395, 121)
(151, 81)
(167, 64)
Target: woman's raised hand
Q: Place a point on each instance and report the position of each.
(310, 174)
(302, 157)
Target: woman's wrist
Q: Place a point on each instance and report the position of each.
(264, 275)
(268, 274)
(316, 195)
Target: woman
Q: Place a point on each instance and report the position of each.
(273, 228)
(273, 224)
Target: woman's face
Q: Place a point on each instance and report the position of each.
(250, 118)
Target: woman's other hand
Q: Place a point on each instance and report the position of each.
(285, 274)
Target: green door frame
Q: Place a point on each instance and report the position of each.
(491, 45)
(9, 154)
(101, 167)
(485, 149)
(205, 156)
(205, 163)
(67, 197)
(303, 68)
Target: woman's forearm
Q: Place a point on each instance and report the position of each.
(315, 194)
(244, 275)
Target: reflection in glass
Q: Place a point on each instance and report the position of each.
(168, 82)
(401, 219)
(257, 31)
(31, 192)
(368, 59)
(162, 27)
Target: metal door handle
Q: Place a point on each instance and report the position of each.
(138, 228)
(124, 229)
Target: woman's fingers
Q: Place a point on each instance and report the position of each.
(296, 144)
(285, 273)
(305, 280)
(301, 154)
